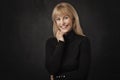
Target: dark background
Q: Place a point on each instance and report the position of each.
(26, 24)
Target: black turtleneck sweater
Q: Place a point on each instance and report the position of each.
(71, 55)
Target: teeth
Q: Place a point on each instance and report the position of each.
(63, 27)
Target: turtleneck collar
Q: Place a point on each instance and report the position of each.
(69, 35)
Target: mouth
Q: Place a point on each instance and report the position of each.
(64, 27)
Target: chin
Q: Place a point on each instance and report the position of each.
(65, 31)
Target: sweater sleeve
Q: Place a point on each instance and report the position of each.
(83, 61)
(53, 55)
(84, 58)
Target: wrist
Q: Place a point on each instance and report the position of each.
(61, 39)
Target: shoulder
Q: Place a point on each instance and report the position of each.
(83, 39)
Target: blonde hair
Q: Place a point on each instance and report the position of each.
(66, 8)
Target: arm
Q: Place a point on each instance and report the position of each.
(53, 55)
(84, 59)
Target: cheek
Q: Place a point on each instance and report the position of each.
(57, 23)
(69, 22)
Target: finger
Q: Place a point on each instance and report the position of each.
(62, 32)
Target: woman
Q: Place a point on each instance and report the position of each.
(68, 51)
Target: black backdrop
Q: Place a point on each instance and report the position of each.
(26, 24)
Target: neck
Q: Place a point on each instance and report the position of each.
(67, 33)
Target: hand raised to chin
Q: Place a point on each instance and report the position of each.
(59, 35)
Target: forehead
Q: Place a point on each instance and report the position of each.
(60, 14)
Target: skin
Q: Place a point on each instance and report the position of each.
(51, 77)
(64, 23)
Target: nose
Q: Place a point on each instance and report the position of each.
(62, 22)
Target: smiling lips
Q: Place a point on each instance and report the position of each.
(63, 27)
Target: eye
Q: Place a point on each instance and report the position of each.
(57, 19)
(66, 17)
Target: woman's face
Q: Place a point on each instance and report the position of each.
(64, 23)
